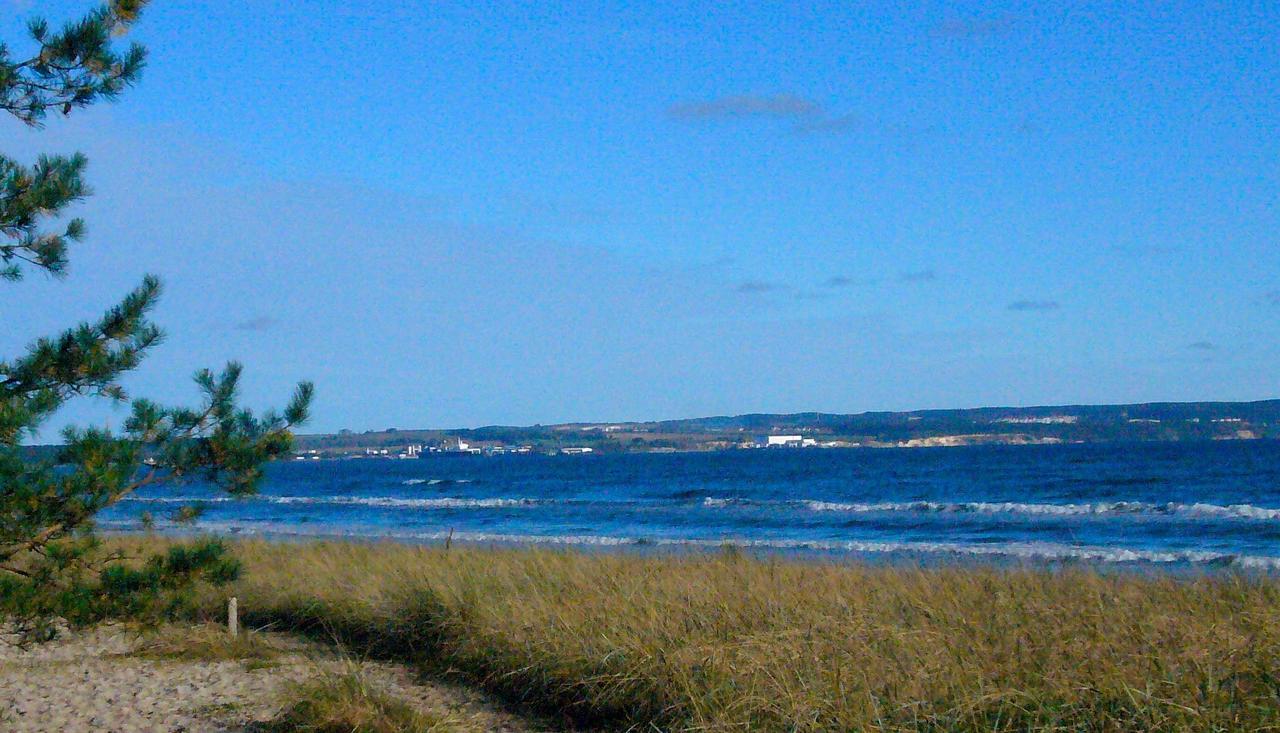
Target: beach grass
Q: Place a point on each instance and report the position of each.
(204, 643)
(730, 642)
(346, 701)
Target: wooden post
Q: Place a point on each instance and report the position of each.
(233, 617)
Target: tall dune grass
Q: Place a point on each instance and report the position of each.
(724, 642)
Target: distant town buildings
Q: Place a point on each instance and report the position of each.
(938, 428)
(1046, 420)
(785, 441)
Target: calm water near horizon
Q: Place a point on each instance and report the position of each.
(1158, 505)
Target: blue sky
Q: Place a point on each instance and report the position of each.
(466, 214)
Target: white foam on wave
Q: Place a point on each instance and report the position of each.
(1246, 511)
(434, 481)
(182, 499)
(527, 539)
(1016, 551)
(984, 507)
(378, 501)
(1231, 511)
(390, 501)
(1111, 508)
(1030, 551)
(713, 502)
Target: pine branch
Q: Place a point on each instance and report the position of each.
(50, 562)
(74, 67)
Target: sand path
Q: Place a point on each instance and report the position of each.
(96, 683)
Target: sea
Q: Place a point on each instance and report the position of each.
(1150, 505)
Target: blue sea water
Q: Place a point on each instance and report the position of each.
(1160, 505)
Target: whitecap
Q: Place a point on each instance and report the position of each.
(1015, 551)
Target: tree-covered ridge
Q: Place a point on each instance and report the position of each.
(51, 565)
(1147, 422)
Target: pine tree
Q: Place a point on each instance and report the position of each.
(52, 564)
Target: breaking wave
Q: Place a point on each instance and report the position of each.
(1097, 509)
(378, 501)
(1231, 511)
(1045, 552)
(389, 501)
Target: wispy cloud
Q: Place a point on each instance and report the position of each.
(744, 106)
(918, 276)
(755, 287)
(257, 323)
(1034, 306)
(1202, 346)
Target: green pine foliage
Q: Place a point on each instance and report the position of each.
(52, 567)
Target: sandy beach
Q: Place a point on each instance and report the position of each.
(99, 681)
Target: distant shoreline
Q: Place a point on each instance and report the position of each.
(1158, 422)
(1137, 423)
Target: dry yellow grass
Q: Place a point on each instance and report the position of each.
(204, 643)
(346, 701)
(724, 642)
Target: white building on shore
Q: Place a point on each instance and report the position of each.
(785, 441)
